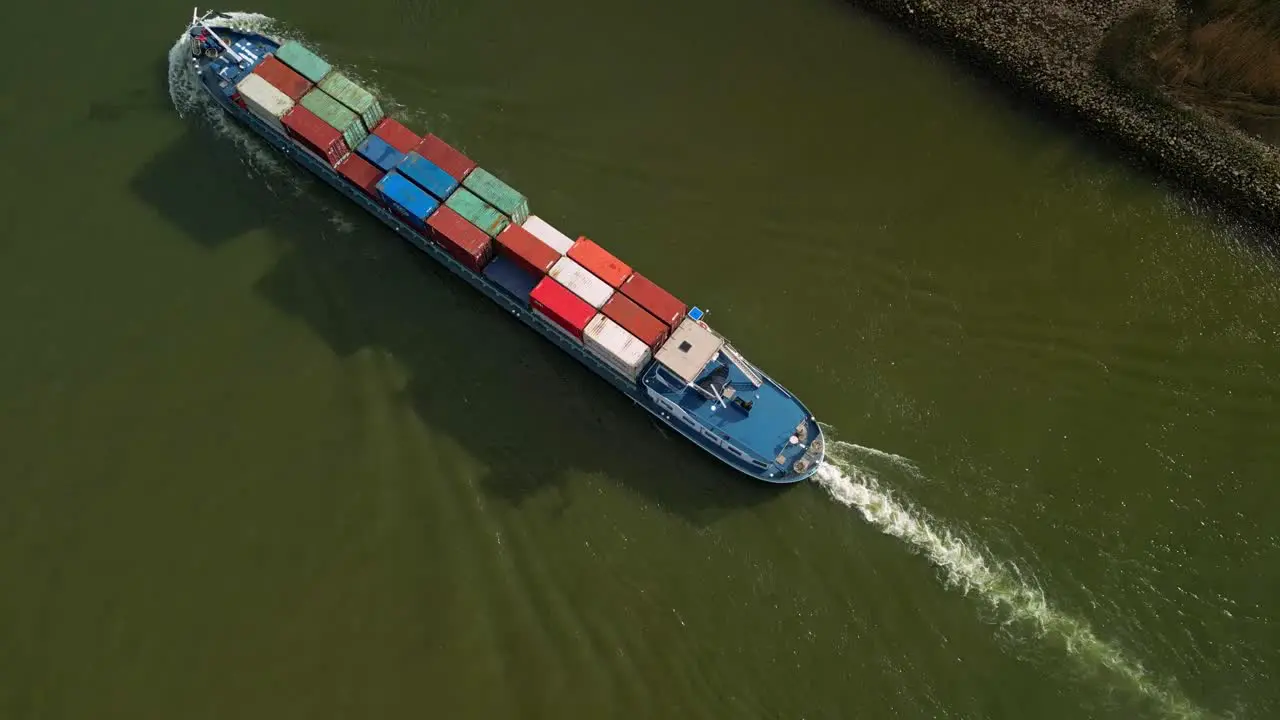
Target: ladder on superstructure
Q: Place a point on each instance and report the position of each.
(742, 364)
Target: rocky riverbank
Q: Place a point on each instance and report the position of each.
(1088, 58)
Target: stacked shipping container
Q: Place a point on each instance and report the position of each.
(581, 282)
(406, 199)
(525, 250)
(339, 116)
(361, 173)
(283, 78)
(583, 290)
(429, 177)
(543, 230)
(497, 193)
(447, 157)
(380, 153)
(636, 320)
(621, 350)
(478, 212)
(565, 310)
(306, 63)
(660, 303)
(600, 262)
(264, 100)
(396, 135)
(460, 238)
(315, 134)
(354, 98)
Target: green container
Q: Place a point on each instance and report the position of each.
(306, 63)
(355, 98)
(477, 212)
(337, 115)
(498, 194)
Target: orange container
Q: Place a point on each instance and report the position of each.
(599, 262)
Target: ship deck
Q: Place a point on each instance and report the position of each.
(764, 431)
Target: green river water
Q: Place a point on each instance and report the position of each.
(261, 459)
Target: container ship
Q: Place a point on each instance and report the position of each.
(619, 323)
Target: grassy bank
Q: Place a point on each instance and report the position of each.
(1220, 56)
(1187, 86)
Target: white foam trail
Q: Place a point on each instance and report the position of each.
(902, 463)
(190, 101)
(968, 568)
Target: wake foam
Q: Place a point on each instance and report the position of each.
(190, 101)
(968, 568)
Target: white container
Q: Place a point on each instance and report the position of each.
(542, 230)
(264, 100)
(620, 349)
(581, 282)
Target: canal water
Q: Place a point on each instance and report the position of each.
(262, 459)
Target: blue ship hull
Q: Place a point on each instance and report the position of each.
(794, 462)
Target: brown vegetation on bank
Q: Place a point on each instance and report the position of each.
(1174, 81)
(1224, 58)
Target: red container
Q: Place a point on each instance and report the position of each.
(464, 241)
(445, 156)
(660, 303)
(283, 78)
(561, 306)
(525, 250)
(316, 134)
(599, 262)
(397, 136)
(362, 173)
(635, 320)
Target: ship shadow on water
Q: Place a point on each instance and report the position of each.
(531, 414)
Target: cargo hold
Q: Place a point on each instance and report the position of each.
(564, 309)
(464, 241)
(264, 100)
(477, 212)
(283, 78)
(361, 173)
(635, 320)
(573, 276)
(660, 303)
(599, 262)
(380, 153)
(526, 250)
(511, 277)
(306, 63)
(497, 193)
(355, 98)
(445, 156)
(397, 136)
(429, 177)
(619, 349)
(315, 134)
(411, 202)
(338, 116)
(545, 232)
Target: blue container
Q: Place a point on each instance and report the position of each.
(377, 151)
(428, 175)
(408, 200)
(511, 277)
